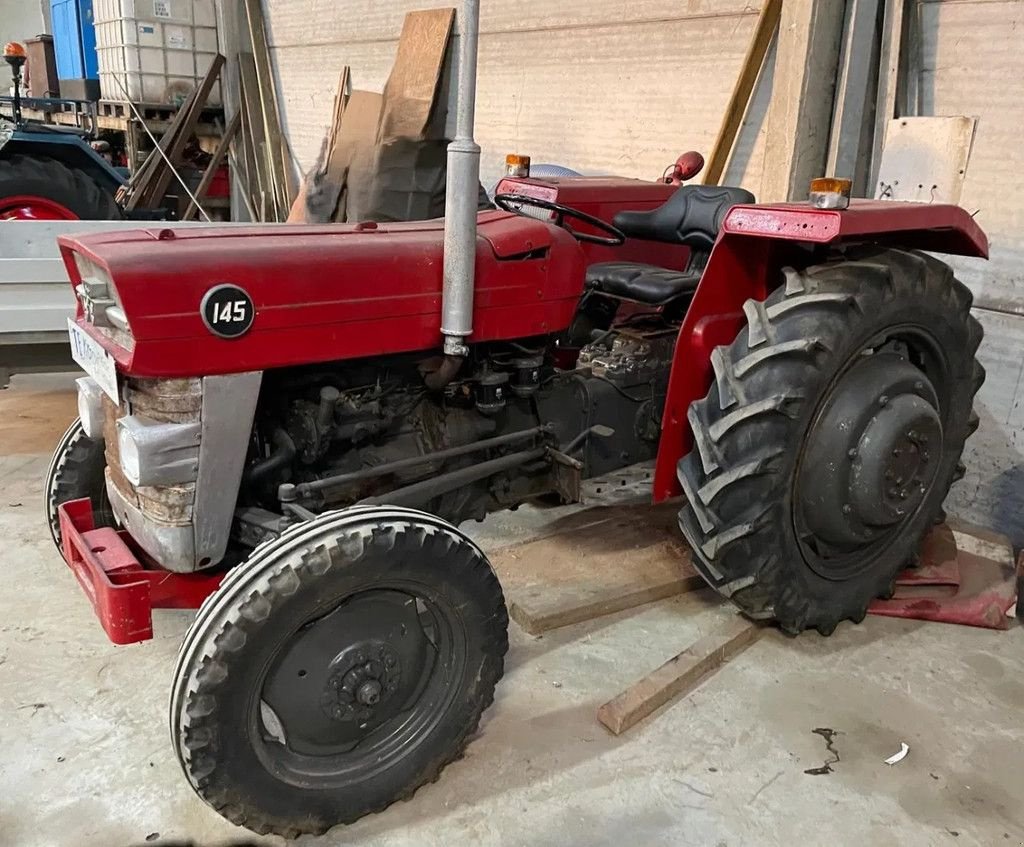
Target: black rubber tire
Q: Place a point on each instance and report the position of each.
(52, 180)
(259, 607)
(76, 471)
(750, 429)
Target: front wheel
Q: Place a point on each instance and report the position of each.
(76, 471)
(831, 435)
(337, 670)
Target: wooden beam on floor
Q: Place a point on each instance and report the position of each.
(679, 675)
(545, 612)
(601, 561)
(764, 32)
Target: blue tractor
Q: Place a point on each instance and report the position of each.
(48, 173)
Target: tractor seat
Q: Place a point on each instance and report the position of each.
(644, 283)
(691, 217)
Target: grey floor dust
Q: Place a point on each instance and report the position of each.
(85, 757)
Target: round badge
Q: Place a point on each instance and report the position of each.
(227, 310)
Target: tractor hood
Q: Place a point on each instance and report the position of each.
(316, 293)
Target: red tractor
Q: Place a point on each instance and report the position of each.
(288, 423)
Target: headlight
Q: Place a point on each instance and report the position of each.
(158, 453)
(90, 407)
(128, 449)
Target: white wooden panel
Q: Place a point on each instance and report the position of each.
(992, 492)
(603, 87)
(925, 158)
(973, 64)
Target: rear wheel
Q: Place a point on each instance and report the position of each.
(37, 188)
(337, 670)
(76, 471)
(831, 435)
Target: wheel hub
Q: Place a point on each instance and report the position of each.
(365, 677)
(869, 460)
(349, 673)
(893, 467)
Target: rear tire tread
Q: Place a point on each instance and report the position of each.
(745, 426)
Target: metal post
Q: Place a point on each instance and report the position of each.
(16, 63)
(461, 195)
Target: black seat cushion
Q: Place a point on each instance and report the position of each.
(644, 283)
(692, 216)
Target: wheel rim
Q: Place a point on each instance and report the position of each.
(357, 688)
(29, 207)
(872, 453)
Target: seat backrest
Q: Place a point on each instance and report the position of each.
(692, 216)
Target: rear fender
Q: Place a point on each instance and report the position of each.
(755, 244)
(68, 149)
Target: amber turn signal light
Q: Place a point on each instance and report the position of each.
(830, 193)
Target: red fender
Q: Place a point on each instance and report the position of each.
(755, 243)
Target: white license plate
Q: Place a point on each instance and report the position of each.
(93, 359)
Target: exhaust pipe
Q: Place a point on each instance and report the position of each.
(461, 195)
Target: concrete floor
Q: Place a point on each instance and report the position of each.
(86, 759)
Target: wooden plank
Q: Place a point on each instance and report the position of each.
(739, 100)
(544, 613)
(215, 163)
(286, 185)
(411, 89)
(231, 36)
(154, 193)
(888, 78)
(157, 181)
(797, 128)
(340, 102)
(142, 174)
(596, 562)
(679, 675)
(849, 148)
(256, 137)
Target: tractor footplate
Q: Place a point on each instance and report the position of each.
(122, 590)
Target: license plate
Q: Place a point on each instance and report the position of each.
(93, 359)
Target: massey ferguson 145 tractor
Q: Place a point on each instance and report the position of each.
(287, 424)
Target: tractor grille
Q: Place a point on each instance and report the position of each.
(164, 401)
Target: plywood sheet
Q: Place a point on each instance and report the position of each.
(411, 89)
(595, 562)
(925, 159)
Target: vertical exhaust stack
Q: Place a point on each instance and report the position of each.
(461, 195)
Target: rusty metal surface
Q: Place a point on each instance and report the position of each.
(984, 590)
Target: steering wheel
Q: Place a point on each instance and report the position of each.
(515, 202)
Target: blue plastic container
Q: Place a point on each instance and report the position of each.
(74, 39)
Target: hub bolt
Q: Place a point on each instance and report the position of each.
(847, 509)
(369, 693)
(903, 495)
(852, 452)
(883, 400)
(918, 385)
(896, 452)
